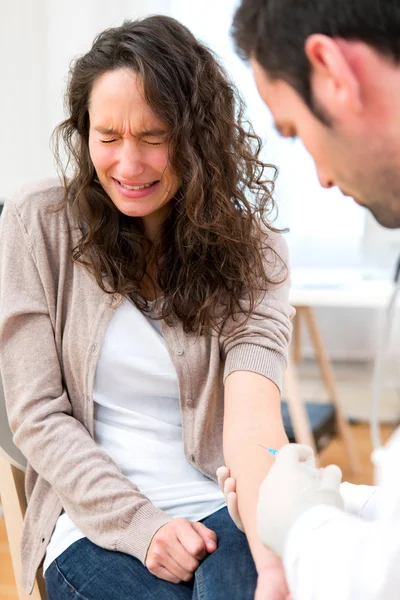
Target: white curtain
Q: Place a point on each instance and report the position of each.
(38, 39)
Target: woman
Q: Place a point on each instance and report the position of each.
(146, 317)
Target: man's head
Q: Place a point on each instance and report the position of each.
(329, 70)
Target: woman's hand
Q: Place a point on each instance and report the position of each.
(271, 584)
(177, 549)
(227, 485)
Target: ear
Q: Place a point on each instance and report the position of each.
(333, 81)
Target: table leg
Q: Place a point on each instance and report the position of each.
(328, 377)
(297, 410)
(297, 337)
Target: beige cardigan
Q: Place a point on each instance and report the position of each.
(53, 317)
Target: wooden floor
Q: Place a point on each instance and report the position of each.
(334, 453)
(7, 583)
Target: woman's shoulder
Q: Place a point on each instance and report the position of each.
(37, 196)
(275, 252)
(275, 240)
(40, 207)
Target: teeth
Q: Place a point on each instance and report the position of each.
(136, 187)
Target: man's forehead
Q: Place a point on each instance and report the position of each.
(268, 90)
(267, 86)
(277, 94)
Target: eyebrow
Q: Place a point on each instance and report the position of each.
(144, 133)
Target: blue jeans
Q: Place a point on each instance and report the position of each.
(87, 572)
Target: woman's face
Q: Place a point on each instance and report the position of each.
(128, 148)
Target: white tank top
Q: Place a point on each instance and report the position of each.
(138, 423)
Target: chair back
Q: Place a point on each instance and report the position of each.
(12, 493)
(8, 450)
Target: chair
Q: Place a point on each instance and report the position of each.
(12, 467)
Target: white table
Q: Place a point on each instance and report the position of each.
(352, 290)
(327, 288)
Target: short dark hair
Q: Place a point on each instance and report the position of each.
(274, 32)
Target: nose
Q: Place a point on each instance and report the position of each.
(324, 179)
(130, 161)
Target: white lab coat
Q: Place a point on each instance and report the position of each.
(351, 555)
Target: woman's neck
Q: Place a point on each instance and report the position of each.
(149, 289)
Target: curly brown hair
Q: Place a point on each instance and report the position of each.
(211, 251)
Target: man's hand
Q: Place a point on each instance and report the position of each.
(291, 487)
(177, 549)
(359, 500)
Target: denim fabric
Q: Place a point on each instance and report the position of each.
(87, 572)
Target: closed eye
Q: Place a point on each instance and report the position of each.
(149, 143)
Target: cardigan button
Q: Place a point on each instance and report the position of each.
(179, 352)
(189, 402)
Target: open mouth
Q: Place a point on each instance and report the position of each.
(144, 186)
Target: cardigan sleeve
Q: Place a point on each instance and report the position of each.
(260, 343)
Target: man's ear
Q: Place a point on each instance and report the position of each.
(334, 83)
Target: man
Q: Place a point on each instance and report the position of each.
(329, 71)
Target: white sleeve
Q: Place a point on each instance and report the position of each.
(360, 500)
(331, 555)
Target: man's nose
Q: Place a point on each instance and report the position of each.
(326, 181)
